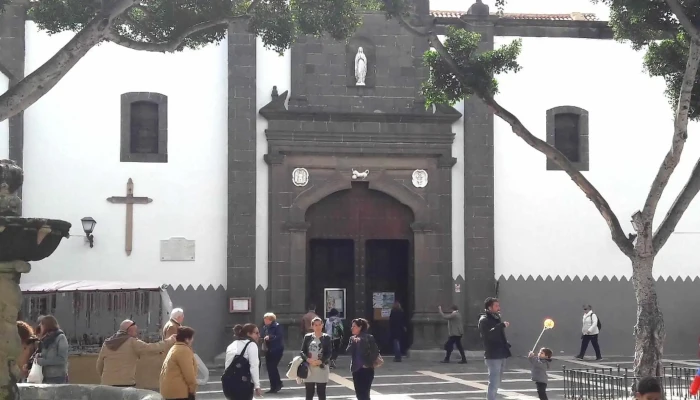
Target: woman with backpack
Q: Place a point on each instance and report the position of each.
(241, 379)
(334, 329)
(364, 356)
(589, 333)
(316, 350)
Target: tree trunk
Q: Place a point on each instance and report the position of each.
(649, 330)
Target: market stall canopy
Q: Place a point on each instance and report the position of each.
(87, 286)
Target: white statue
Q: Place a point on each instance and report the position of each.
(359, 175)
(360, 67)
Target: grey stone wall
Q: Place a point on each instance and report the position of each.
(206, 310)
(527, 302)
(323, 69)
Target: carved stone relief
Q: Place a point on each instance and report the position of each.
(300, 177)
(420, 178)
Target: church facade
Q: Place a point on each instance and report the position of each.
(321, 177)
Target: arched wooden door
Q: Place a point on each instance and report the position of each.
(361, 240)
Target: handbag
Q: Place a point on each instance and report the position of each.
(202, 371)
(378, 362)
(36, 374)
(303, 370)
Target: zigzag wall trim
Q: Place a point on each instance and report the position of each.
(208, 288)
(539, 278)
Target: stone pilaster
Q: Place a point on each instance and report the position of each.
(10, 346)
(479, 281)
(241, 167)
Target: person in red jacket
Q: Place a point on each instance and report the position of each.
(695, 385)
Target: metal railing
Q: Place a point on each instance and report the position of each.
(617, 383)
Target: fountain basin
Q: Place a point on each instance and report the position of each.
(84, 392)
(30, 239)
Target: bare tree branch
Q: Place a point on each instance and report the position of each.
(674, 214)
(680, 134)
(678, 10)
(685, 197)
(30, 89)
(172, 44)
(618, 235)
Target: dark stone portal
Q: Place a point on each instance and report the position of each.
(360, 240)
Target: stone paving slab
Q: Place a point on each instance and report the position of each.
(431, 380)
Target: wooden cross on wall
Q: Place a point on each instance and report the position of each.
(129, 200)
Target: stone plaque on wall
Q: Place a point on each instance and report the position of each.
(177, 249)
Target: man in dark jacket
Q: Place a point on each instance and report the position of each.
(496, 346)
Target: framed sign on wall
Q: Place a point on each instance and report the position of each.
(334, 298)
(239, 305)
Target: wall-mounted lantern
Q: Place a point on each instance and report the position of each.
(88, 226)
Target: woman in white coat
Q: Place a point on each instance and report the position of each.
(589, 333)
(246, 340)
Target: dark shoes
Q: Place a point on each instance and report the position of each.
(446, 361)
(275, 390)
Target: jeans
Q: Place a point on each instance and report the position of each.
(453, 341)
(584, 345)
(496, 367)
(272, 360)
(397, 349)
(59, 380)
(311, 388)
(362, 381)
(541, 390)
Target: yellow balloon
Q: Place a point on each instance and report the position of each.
(548, 323)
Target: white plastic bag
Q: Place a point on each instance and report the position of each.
(202, 371)
(36, 374)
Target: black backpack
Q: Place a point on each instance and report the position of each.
(237, 378)
(600, 324)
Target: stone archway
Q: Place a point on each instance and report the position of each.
(360, 240)
(426, 269)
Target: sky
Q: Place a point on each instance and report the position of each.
(529, 6)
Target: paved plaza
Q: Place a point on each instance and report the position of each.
(431, 380)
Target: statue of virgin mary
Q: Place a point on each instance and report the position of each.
(360, 67)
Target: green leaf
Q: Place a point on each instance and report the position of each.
(653, 27)
(277, 22)
(476, 70)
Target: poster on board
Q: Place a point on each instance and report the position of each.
(382, 303)
(334, 298)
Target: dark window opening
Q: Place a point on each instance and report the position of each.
(566, 135)
(144, 127)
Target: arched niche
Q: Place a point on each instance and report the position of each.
(370, 50)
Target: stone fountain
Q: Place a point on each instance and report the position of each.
(21, 240)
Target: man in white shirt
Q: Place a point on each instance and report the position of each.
(589, 333)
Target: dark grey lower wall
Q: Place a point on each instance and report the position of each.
(206, 310)
(526, 303)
